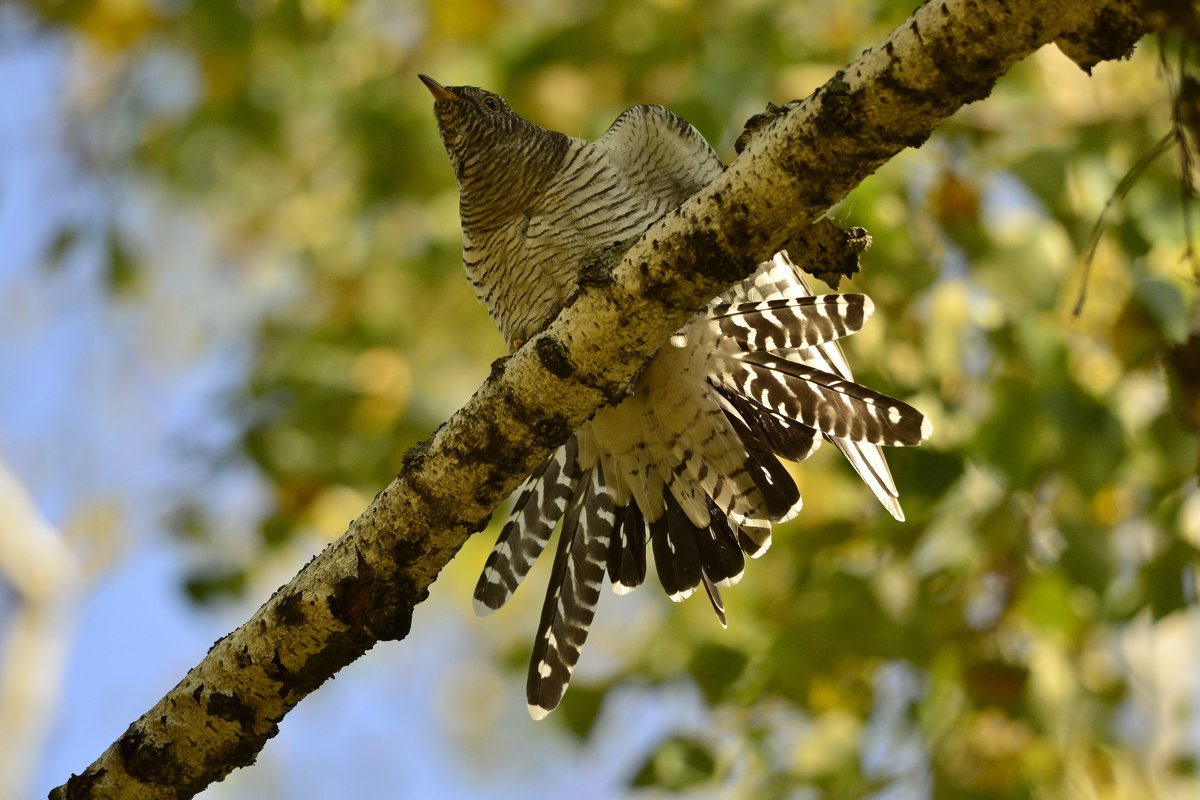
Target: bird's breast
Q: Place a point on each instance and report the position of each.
(523, 279)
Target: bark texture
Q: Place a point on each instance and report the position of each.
(795, 162)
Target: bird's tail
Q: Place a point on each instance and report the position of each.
(688, 465)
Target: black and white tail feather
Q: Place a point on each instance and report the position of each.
(773, 367)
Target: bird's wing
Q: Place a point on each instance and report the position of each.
(661, 155)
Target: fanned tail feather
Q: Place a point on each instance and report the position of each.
(697, 487)
(786, 324)
(627, 550)
(676, 554)
(687, 556)
(541, 500)
(754, 539)
(714, 597)
(766, 431)
(720, 556)
(775, 311)
(868, 461)
(703, 460)
(570, 605)
(838, 408)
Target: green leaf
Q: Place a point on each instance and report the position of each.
(1165, 304)
(1169, 579)
(680, 763)
(213, 584)
(122, 267)
(580, 708)
(62, 244)
(716, 668)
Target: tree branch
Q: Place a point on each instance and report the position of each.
(794, 163)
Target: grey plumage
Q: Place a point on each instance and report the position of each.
(686, 465)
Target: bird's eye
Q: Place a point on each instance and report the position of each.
(491, 103)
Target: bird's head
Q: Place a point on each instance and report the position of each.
(477, 126)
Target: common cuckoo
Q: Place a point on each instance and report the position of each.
(686, 464)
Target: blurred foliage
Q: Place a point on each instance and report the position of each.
(984, 643)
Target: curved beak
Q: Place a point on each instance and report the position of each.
(438, 91)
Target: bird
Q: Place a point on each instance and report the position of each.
(686, 466)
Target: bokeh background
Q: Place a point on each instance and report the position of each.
(231, 297)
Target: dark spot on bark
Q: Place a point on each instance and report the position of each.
(379, 609)
(554, 356)
(891, 81)
(79, 787)
(371, 609)
(964, 82)
(837, 112)
(1113, 36)
(551, 431)
(340, 649)
(231, 708)
(597, 269)
(276, 671)
(756, 124)
(596, 273)
(710, 259)
(491, 448)
(242, 658)
(405, 553)
(289, 611)
(240, 753)
(198, 692)
(391, 616)
(498, 367)
(414, 457)
(279, 673)
(146, 761)
(352, 594)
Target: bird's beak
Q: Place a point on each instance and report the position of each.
(438, 91)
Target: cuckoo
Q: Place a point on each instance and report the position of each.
(687, 465)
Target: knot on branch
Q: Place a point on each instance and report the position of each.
(760, 121)
(1111, 34)
(554, 357)
(832, 253)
